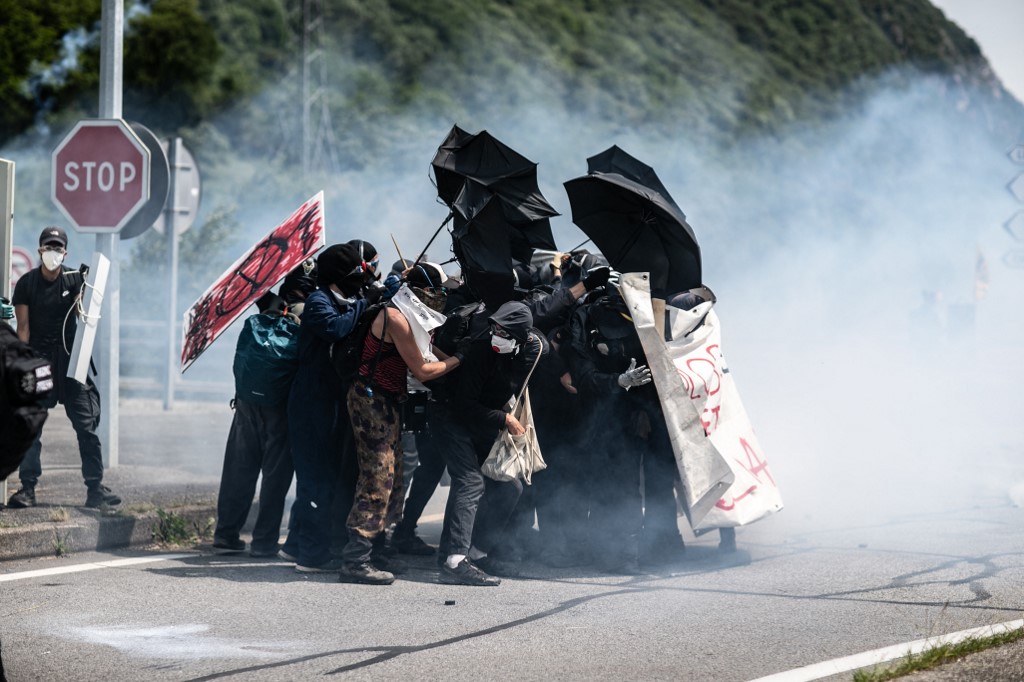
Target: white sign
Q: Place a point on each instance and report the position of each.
(724, 471)
(1015, 226)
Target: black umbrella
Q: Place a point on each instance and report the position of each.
(482, 158)
(482, 240)
(615, 160)
(526, 234)
(637, 229)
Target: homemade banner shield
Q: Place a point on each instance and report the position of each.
(725, 475)
(252, 275)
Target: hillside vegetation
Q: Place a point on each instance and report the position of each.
(725, 68)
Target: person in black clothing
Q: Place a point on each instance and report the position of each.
(25, 381)
(44, 306)
(264, 365)
(625, 434)
(468, 423)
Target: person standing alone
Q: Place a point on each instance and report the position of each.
(44, 301)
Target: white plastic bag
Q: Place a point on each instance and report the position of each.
(513, 457)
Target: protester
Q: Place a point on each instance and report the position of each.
(390, 351)
(602, 360)
(25, 381)
(316, 417)
(45, 306)
(266, 357)
(468, 422)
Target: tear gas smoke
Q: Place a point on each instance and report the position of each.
(869, 397)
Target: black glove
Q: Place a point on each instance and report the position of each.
(597, 277)
(373, 292)
(462, 348)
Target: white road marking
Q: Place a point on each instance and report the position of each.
(890, 653)
(77, 568)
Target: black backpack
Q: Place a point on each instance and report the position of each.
(456, 327)
(347, 353)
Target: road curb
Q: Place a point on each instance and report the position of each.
(90, 530)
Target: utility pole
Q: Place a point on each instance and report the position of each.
(319, 145)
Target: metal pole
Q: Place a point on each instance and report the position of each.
(6, 245)
(109, 347)
(171, 233)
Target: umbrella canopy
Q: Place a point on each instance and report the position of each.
(637, 229)
(498, 209)
(482, 242)
(525, 233)
(615, 160)
(482, 158)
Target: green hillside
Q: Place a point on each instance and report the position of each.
(721, 67)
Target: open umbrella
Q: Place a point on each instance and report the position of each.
(527, 233)
(471, 169)
(637, 229)
(483, 241)
(487, 161)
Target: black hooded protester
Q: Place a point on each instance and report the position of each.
(467, 423)
(317, 421)
(625, 431)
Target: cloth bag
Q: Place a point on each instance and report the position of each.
(513, 457)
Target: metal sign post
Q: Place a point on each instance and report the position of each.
(6, 247)
(111, 79)
(179, 214)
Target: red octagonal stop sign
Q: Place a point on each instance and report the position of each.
(100, 175)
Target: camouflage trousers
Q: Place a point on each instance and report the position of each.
(376, 427)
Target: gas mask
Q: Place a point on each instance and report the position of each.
(52, 259)
(501, 345)
(432, 298)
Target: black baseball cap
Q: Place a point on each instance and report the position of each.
(53, 235)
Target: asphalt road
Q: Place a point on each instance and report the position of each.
(800, 591)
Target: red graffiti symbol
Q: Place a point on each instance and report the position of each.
(756, 464)
(253, 275)
(688, 383)
(709, 426)
(725, 506)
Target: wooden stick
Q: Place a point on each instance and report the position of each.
(405, 263)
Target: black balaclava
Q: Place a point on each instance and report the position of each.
(339, 264)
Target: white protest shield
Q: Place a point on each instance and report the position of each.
(725, 475)
(422, 319)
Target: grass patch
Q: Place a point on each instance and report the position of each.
(59, 515)
(137, 508)
(61, 543)
(176, 530)
(940, 655)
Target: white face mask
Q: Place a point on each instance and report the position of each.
(52, 259)
(502, 345)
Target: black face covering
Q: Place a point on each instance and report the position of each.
(433, 299)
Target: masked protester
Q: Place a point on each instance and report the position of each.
(625, 433)
(44, 301)
(467, 425)
(390, 351)
(317, 423)
(424, 454)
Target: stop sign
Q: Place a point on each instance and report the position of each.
(100, 175)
